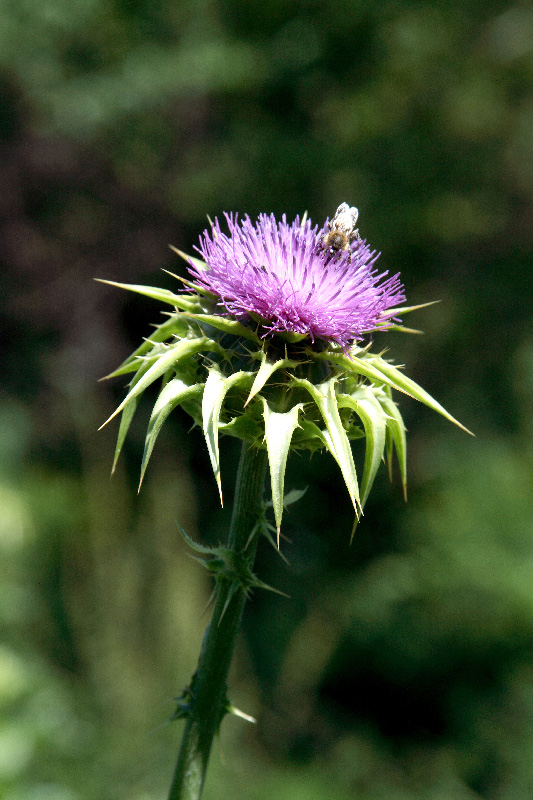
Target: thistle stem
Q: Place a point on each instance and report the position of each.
(208, 688)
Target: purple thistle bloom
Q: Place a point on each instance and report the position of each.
(284, 274)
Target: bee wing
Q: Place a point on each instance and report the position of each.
(342, 209)
(355, 215)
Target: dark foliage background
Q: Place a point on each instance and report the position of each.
(401, 667)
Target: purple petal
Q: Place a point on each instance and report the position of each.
(283, 273)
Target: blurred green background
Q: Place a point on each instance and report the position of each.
(401, 668)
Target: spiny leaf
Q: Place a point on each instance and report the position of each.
(293, 496)
(244, 427)
(198, 548)
(164, 295)
(335, 436)
(226, 325)
(172, 395)
(358, 366)
(399, 312)
(216, 388)
(396, 436)
(279, 428)
(176, 325)
(198, 263)
(309, 436)
(403, 329)
(258, 584)
(381, 372)
(374, 420)
(230, 709)
(175, 352)
(198, 290)
(125, 422)
(129, 409)
(267, 529)
(400, 381)
(266, 369)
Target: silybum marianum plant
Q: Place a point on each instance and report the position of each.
(269, 342)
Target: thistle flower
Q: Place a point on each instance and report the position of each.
(283, 274)
(263, 346)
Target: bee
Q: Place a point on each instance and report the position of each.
(341, 229)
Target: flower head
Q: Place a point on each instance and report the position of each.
(283, 274)
(232, 378)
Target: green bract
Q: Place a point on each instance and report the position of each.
(278, 392)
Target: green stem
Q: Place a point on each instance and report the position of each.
(208, 687)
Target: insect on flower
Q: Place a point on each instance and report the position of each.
(341, 229)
